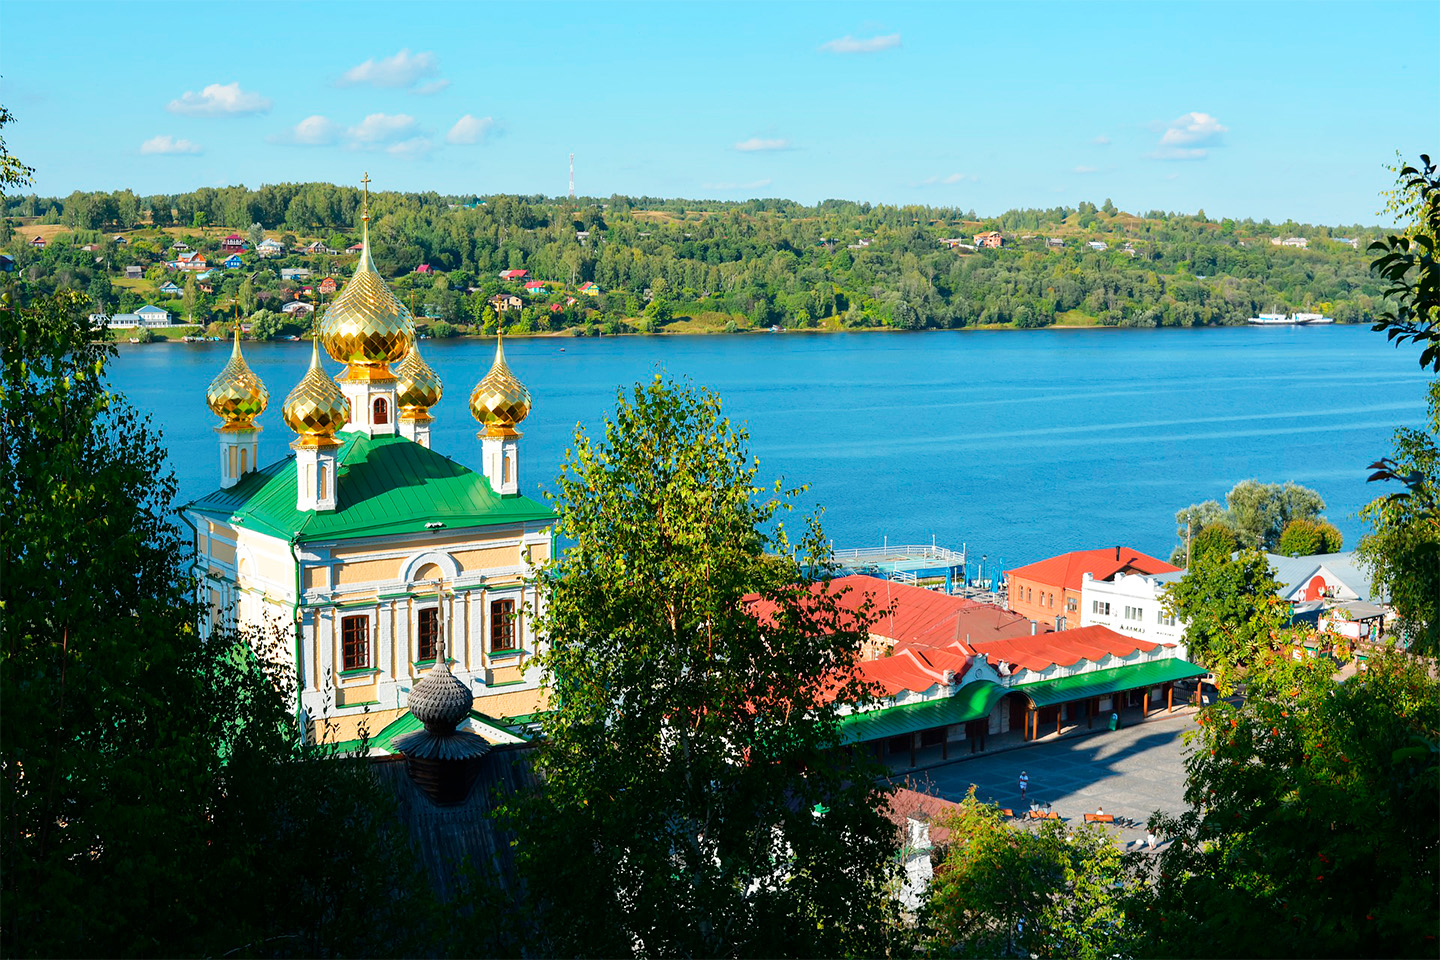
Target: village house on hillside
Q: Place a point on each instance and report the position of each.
(990, 238)
(269, 247)
(506, 301)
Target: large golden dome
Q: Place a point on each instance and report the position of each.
(316, 408)
(418, 388)
(499, 400)
(237, 395)
(367, 325)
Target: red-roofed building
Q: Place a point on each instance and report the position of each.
(233, 243)
(513, 274)
(535, 286)
(1049, 590)
(1062, 648)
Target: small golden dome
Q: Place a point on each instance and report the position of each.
(418, 388)
(237, 395)
(366, 324)
(316, 408)
(500, 401)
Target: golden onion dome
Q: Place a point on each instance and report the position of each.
(237, 395)
(316, 408)
(418, 388)
(366, 324)
(500, 401)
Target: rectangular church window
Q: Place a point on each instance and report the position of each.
(429, 622)
(502, 625)
(355, 642)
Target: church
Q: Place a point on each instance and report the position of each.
(364, 550)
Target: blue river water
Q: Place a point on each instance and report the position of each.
(1019, 444)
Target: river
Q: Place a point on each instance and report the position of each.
(1021, 444)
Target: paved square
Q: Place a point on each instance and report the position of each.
(1131, 772)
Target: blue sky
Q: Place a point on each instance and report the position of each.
(1263, 110)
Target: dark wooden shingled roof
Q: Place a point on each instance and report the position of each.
(448, 838)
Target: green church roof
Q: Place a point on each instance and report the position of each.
(386, 485)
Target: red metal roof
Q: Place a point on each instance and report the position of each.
(534, 284)
(1067, 569)
(915, 670)
(1065, 647)
(906, 804)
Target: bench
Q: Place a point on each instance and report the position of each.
(1099, 818)
(1042, 815)
(1007, 812)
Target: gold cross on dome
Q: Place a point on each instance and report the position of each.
(365, 181)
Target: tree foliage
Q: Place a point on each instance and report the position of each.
(1314, 827)
(1403, 545)
(157, 798)
(1255, 513)
(1232, 611)
(1303, 537)
(1408, 262)
(1003, 891)
(695, 799)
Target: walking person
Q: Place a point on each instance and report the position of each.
(1024, 784)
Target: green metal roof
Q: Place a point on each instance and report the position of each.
(1101, 683)
(970, 702)
(407, 723)
(385, 485)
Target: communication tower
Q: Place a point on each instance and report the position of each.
(572, 176)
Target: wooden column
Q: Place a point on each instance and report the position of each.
(1169, 698)
(1059, 716)
(1145, 704)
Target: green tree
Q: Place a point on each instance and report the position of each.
(1314, 821)
(1260, 511)
(1002, 891)
(1304, 538)
(1232, 611)
(1216, 540)
(266, 324)
(191, 298)
(695, 801)
(144, 769)
(1403, 545)
(247, 297)
(1194, 518)
(1409, 263)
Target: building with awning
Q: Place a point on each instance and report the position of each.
(937, 689)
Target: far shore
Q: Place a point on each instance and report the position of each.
(175, 334)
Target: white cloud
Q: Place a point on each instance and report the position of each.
(434, 86)
(849, 44)
(316, 131)
(1101, 141)
(382, 128)
(401, 70)
(948, 178)
(1189, 137)
(470, 129)
(752, 185)
(755, 144)
(166, 144)
(413, 148)
(219, 100)
(1087, 169)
